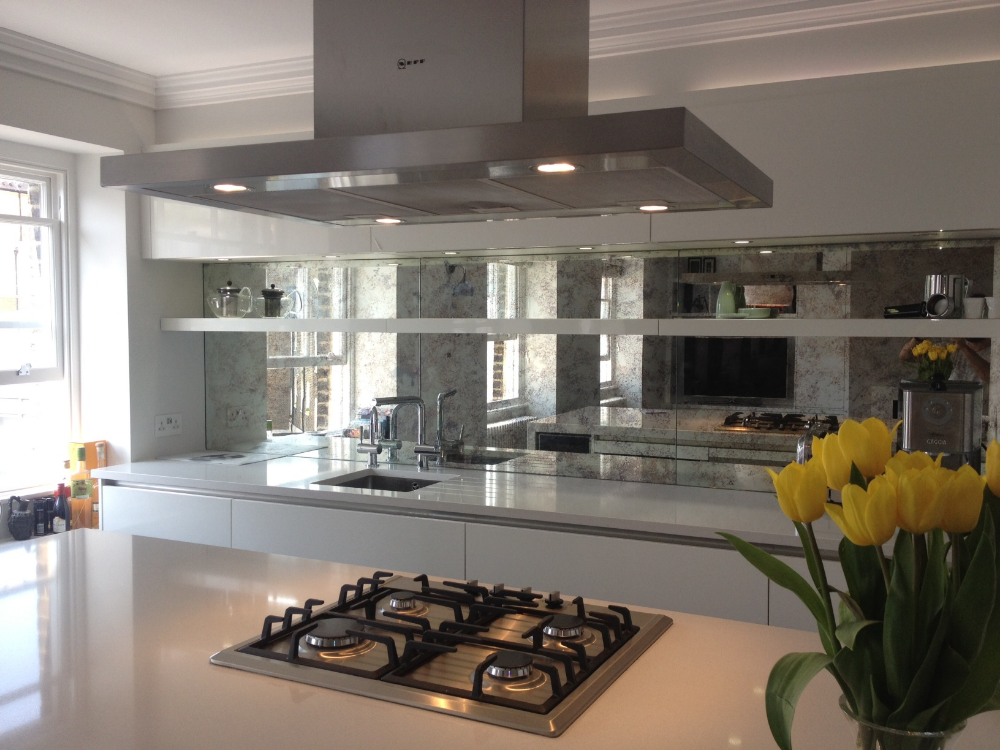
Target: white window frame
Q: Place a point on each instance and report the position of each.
(607, 385)
(56, 199)
(519, 301)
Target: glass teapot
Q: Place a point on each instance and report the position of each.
(273, 303)
(231, 301)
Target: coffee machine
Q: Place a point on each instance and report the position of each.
(942, 416)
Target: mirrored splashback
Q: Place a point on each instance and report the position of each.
(695, 410)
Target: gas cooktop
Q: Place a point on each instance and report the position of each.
(792, 424)
(503, 656)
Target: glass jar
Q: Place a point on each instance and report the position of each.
(875, 737)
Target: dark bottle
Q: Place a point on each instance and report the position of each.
(60, 509)
(50, 513)
(41, 523)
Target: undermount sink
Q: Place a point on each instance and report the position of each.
(481, 459)
(388, 481)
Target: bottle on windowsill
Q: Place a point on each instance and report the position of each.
(82, 488)
(60, 510)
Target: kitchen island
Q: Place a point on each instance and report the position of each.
(464, 526)
(107, 639)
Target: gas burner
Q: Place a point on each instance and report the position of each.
(403, 601)
(564, 626)
(510, 665)
(332, 633)
(795, 424)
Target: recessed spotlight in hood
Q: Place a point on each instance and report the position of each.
(388, 220)
(653, 207)
(557, 167)
(494, 126)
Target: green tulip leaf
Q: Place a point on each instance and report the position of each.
(847, 632)
(786, 577)
(933, 592)
(982, 689)
(900, 620)
(857, 477)
(860, 672)
(788, 679)
(849, 609)
(970, 613)
(913, 706)
(864, 578)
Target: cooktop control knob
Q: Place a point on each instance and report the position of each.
(552, 601)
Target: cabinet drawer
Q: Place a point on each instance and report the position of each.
(167, 515)
(375, 540)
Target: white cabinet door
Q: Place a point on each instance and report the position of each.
(698, 580)
(376, 540)
(167, 515)
(786, 610)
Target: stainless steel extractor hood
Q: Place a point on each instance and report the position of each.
(433, 111)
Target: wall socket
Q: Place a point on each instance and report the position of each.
(167, 425)
(237, 417)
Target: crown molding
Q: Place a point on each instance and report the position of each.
(693, 22)
(257, 81)
(25, 54)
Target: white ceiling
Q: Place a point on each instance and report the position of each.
(168, 37)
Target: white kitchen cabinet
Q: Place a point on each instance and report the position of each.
(167, 515)
(785, 610)
(698, 580)
(375, 540)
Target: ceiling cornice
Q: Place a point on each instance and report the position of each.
(25, 54)
(680, 24)
(278, 78)
(696, 22)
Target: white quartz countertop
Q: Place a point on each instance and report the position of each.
(107, 640)
(637, 508)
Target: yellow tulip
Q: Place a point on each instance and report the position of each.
(867, 518)
(902, 461)
(922, 498)
(932, 355)
(993, 467)
(801, 490)
(952, 348)
(867, 444)
(964, 493)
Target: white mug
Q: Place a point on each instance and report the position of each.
(974, 307)
(993, 306)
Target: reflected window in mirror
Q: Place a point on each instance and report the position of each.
(504, 363)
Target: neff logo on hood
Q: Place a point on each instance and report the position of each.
(402, 63)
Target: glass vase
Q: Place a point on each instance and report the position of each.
(874, 737)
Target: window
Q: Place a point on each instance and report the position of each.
(607, 342)
(34, 398)
(308, 373)
(503, 352)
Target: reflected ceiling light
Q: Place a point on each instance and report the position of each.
(741, 242)
(450, 252)
(392, 264)
(555, 168)
(222, 259)
(332, 256)
(226, 187)
(766, 252)
(653, 207)
(586, 248)
(388, 220)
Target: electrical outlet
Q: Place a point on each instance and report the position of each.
(167, 425)
(237, 417)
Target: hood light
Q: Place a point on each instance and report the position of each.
(225, 187)
(766, 252)
(387, 220)
(559, 167)
(653, 207)
(586, 248)
(741, 242)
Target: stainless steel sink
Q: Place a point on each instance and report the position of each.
(387, 481)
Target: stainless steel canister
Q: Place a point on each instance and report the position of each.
(943, 417)
(945, 295)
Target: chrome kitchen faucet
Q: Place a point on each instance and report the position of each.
(393, 443)
(442, 444)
